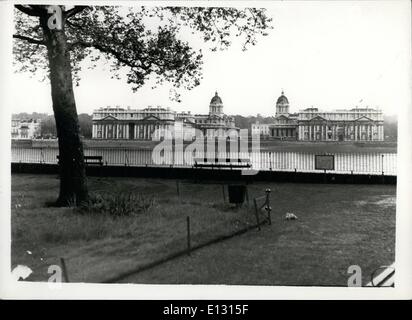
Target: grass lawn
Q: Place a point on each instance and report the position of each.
(337, 226)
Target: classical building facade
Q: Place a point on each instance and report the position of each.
(312, 124)
(25, 128)
(157, 123)
(216, 123)
(357, 124)
(152, 123)
(261, 129)
(284, 126)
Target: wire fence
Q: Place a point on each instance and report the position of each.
(357, 163)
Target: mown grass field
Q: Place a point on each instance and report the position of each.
(337, 226)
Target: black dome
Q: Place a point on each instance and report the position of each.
(282, 99)
(216, 99)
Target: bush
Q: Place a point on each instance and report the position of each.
(118, 204)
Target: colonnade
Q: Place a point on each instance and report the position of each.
(336, 132)
(139, 131)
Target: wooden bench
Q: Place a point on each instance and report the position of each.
(222, 163)
(90, 160)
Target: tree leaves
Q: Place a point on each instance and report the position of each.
(145, 41)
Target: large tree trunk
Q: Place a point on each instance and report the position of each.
(73, 182)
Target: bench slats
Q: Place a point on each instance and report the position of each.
(90, 159)
(205, 165)
(222, 163)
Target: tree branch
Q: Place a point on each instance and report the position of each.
(28, 39)
(74, 25)
(102, 49)
(75, 10)
(27, 10)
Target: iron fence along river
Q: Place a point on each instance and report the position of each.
(358, 163)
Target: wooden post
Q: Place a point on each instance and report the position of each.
(224, 193)
(178, 190)
(188, 235)
(64, 270)
(247, 196)
(270, 161)
(269, 209)
(257, 214)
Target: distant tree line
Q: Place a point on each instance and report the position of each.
(48, 123)
(246, 122)
(390, 128)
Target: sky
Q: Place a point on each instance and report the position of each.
(326, 54)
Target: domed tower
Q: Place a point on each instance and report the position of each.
(282, 105)
(216, 105)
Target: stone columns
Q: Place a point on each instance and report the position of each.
(321, 132)
(356, 132)
(368, 132)
(360, 132)
(344, 131)
(335, 130)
